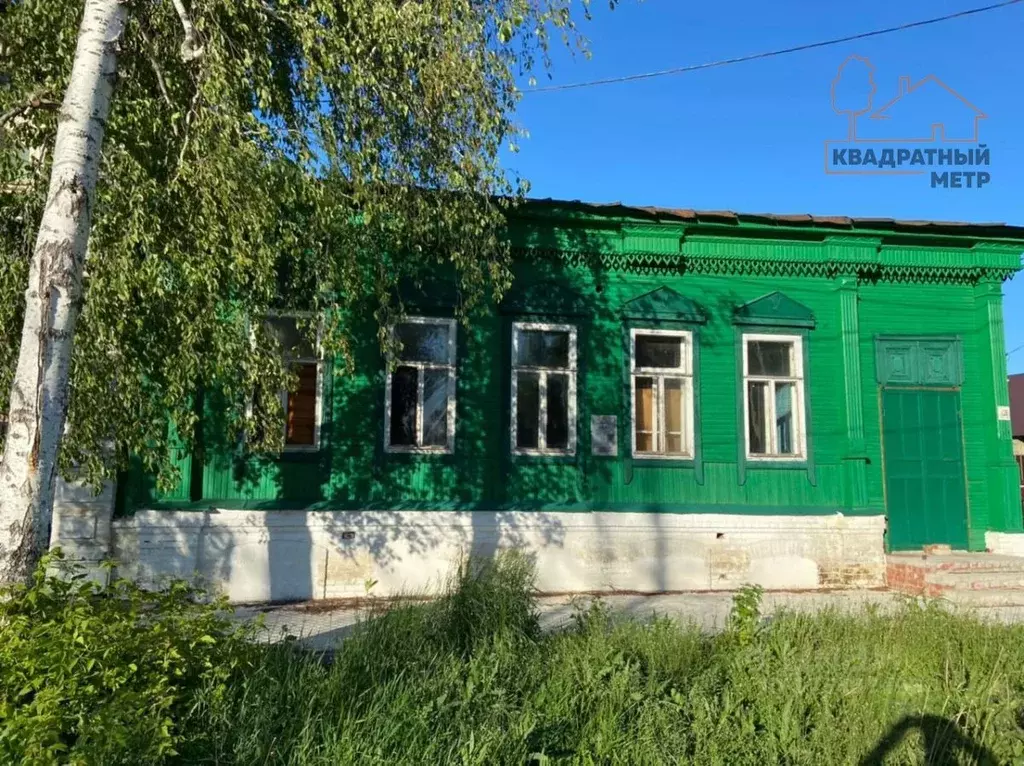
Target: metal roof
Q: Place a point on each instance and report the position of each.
(839, 222)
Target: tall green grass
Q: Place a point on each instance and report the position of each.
(470, 679)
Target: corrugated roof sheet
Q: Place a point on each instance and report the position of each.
(963, 228)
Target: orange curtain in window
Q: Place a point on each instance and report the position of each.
(301, 415)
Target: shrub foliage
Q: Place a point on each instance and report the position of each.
(108, 674)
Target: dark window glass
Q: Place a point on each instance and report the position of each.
(403, 406)
(658, 351)
(766, 357)
(435, 408)
(757, 394)
(543, 348)
(423, 342)
(294, 341)
(527, 410)
(557, 432)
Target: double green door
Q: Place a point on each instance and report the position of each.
(924, 468)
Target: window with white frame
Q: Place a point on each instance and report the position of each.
(773, 392)
(543, 388)
(419, 395)
(303, 407)
(661, 367)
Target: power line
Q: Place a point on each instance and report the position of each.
(1015, 350)
(769, 54)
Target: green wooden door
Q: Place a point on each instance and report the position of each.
(924, 468)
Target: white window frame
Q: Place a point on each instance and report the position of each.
(283, 393)
(449, 446)
(660, 374)
(799, 410)
(542, 372)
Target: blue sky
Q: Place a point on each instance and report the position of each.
(750, 136)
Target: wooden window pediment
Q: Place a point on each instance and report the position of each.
(664, 304)
(774, 310)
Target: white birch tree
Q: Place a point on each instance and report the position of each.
(53, 297)
(256, 154)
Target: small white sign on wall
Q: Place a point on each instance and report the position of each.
(1003, 412)
(604, 432)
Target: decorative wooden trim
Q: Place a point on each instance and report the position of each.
(665, 304)
(662, 248)
(850, 327)
(774, 310)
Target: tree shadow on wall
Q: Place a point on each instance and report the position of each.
(481, 499)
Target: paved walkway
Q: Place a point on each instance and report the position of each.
(320, 625)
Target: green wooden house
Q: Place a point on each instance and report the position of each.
(666, 399)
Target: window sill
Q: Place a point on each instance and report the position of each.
(798, 464)
(543, 457)
(291, 455)
(418, 456)
(669, 461)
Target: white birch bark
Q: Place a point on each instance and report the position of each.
(39, 394)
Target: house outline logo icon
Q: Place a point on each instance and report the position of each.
(853, 91)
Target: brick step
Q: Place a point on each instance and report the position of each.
(984, 599)
(976, 580)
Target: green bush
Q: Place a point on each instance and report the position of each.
(93, 674)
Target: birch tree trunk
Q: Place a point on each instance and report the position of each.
(39, 393)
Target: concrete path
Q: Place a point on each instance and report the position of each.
(319, 625)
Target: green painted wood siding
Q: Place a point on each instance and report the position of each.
(352, 469)
(857, 287)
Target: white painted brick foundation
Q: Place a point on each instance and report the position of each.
(1005, 543)
(82, 524)
(291, 555)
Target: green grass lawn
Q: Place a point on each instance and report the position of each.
(470, 679)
